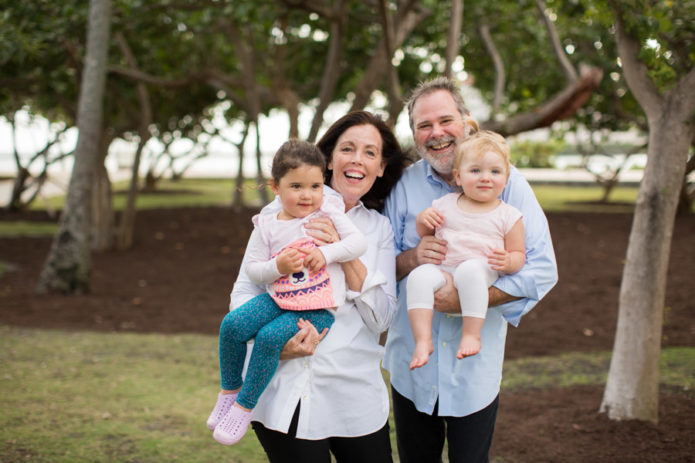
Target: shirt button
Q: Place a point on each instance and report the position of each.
(443, 344)
(448, 316)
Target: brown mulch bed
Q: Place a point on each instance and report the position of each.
(178, 276)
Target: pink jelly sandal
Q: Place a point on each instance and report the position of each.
(233, 426)
(224, 403)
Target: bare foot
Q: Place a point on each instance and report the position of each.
(421, 355)
(470, 345)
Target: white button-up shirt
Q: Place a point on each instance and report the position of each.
(341, 388)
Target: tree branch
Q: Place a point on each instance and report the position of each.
(635, 71)
(562, 105)
(500, 75)
(452, 40)
(143, 94)
(392, 84)
(407, 19)
(570, 72)
(313, 7)
(331, 70)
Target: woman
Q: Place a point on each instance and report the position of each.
(335, 401)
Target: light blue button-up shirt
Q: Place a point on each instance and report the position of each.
(468, 385)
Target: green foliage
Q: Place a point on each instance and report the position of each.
(528, 153)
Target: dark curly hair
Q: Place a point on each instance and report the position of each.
(393, 156)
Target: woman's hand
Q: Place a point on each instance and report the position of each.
(304, 342)
(322, 231)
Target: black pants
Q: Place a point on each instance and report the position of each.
(286, 448)
(420, 437)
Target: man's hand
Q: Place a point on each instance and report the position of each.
(446, 299)
(430, 250)
(303, 343)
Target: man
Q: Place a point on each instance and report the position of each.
(451, 398)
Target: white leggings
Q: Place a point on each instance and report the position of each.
(472, 279)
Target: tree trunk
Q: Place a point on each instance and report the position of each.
(126, 225)
(68, 266)
(685, 203)
(102, 200)
(238, 195)
(260, 179)
(632, 389)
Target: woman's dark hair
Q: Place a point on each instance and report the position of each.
(295, 153)
(392, 156)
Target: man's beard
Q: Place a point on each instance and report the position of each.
(442, 163)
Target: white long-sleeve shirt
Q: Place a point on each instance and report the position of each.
(274, 235)
(341, 388)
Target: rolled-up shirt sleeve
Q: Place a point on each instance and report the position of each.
(539, 274)
(376, 303)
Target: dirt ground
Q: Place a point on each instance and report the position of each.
(178, 276)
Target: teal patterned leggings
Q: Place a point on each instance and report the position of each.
(272, 327)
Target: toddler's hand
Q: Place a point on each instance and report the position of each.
(500, 260)
(289, 261)
(314, 259)
(430, 218)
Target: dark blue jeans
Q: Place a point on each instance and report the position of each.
(420, 437)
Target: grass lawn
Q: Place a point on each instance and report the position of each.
(95, 397)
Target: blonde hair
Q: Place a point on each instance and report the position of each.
(480, 143)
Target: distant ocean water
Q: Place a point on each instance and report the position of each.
(221, 165)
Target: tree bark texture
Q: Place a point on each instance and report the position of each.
(632, 389)
(68, 266)
(102, 235)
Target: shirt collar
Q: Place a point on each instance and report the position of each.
(434, 177)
